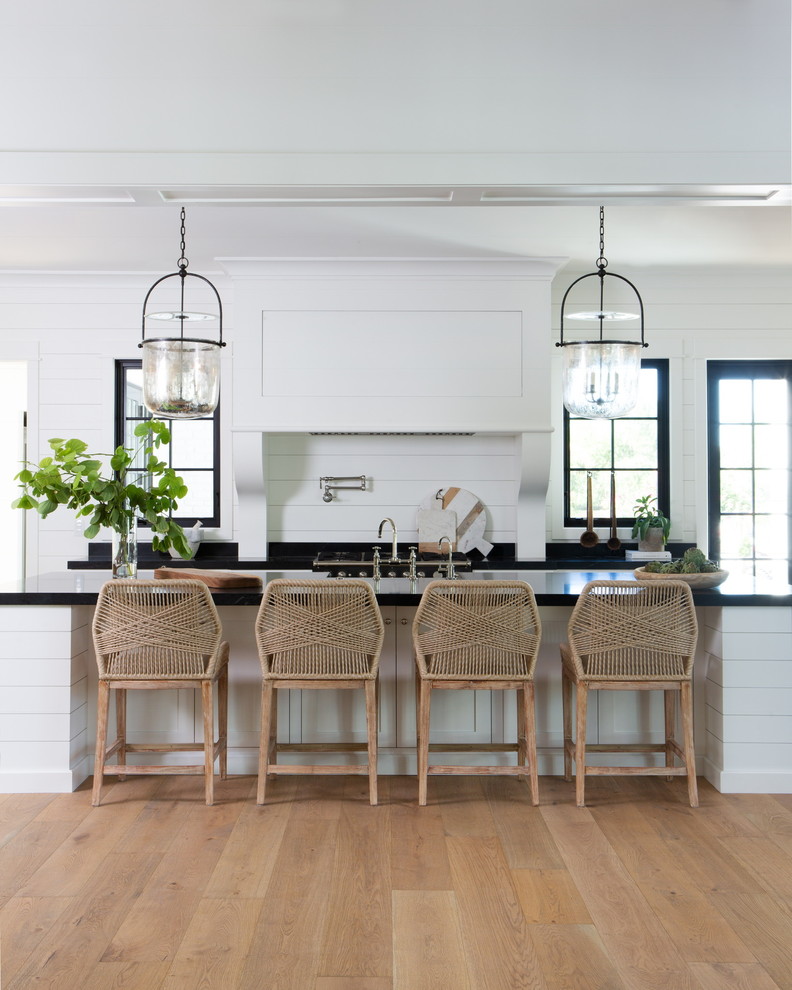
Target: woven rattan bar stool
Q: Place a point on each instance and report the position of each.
(477, 635)
(153, 636)
(631, 636)
(318, 634)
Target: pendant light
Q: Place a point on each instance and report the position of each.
(600, 377)
(181, 374)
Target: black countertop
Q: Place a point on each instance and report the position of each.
(551, 586)
(299, 556)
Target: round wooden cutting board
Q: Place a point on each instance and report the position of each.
(471, 516)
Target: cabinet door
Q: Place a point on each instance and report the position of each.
(340, 716)
(456, 716)
(163, 717)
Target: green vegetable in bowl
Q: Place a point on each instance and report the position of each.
(692, 561)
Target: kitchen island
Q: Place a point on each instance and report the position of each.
(743, 684)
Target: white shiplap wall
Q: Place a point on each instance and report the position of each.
(71, 327)
(691, 317)
(400, 471)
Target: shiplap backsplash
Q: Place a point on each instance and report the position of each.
(401, 472)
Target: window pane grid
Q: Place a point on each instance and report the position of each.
(193, 451)
(633, 448)
(750, 492)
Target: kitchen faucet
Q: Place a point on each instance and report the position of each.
(395, 546)
(450, 574)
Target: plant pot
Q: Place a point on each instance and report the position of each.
(124, 551)
(653, 540)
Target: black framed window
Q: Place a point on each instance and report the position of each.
(635, 448)
(194, 451)
(749, 437)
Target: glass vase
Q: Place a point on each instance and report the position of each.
(124, 548)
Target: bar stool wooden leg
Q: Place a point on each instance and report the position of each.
(566, 701)
(267, 693)
(222, 721)
(371, 729)
(529, 728)
(580, 744)
(522, 742)
(102, 707)
(686, 704)
(207, 705)
(121, 725)
(272, 754)
(424, 707)
(417, 702)
(669, 700)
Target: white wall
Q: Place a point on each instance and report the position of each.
(73, 326)
(691, 317)
(13, 389)
(390, 346)
(70, 329)
(401, 472)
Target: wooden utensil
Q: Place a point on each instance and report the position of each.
(614, 542)
(589, 538)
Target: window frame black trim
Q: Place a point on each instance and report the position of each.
(120, 420)
(661, 366)
(737, 368)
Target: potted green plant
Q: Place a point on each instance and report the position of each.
(74, 479)
(650, 526)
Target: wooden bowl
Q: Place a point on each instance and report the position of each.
(709, 579)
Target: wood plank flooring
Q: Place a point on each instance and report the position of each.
(319, 891)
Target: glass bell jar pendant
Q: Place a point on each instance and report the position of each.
(181, 373)
(600, 376)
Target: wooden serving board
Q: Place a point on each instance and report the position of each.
(432, 525)
(215, 579)
(470, 513)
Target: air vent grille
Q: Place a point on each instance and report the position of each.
(388, 433)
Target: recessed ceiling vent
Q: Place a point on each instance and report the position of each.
(387, 433)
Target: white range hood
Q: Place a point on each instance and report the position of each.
(432, 346)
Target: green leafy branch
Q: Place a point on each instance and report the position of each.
(72, 478)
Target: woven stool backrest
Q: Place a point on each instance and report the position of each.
(155, 629)
(634, 631)
(477, 629)
(317, 628)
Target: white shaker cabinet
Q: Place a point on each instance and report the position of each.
(327, 716)
(339, 716)
(742, 685)
(464, 717)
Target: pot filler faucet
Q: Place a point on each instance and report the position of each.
(395, 546)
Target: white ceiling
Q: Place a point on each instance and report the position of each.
(140, 231)
(364, 128)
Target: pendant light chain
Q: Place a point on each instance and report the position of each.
(183, 262)
(602, 261)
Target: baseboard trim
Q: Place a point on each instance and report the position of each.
(244, 761)
(748, 781)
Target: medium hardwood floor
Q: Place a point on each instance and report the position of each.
(319, 891)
